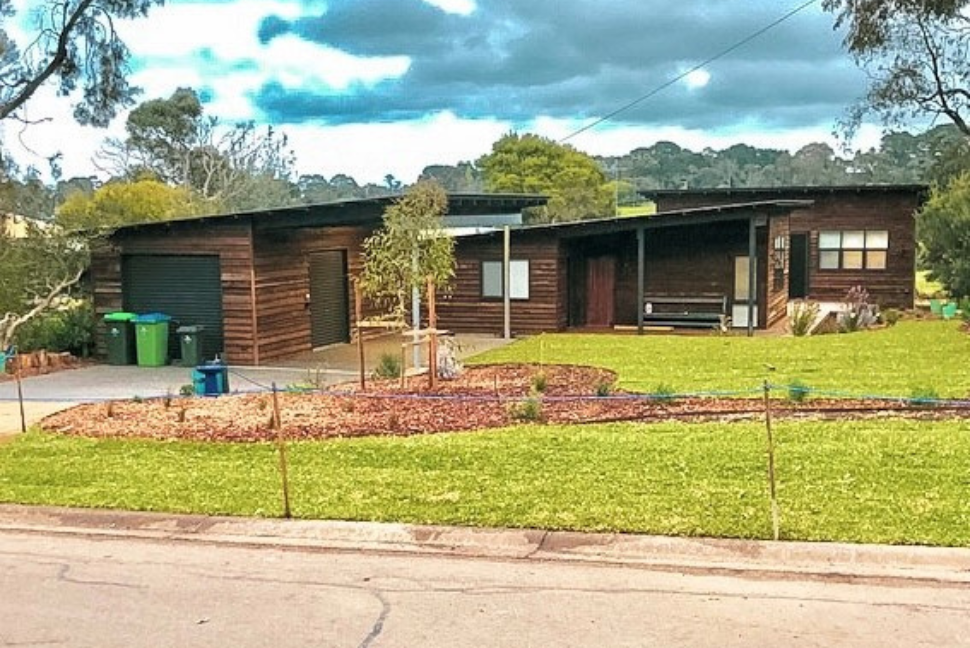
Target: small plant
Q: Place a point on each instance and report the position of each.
(890, 316)
(664, 393)
(539, 383)
(964, 309)
(924, 397)
(798, 391)
(137, 399)
(802, 317)
(528, 410)
(187, 390)
(388, 366)
(604, 388)
(857, 313)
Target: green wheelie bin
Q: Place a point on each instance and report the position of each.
(119, 338)
(151, 339)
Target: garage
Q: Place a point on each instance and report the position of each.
(186, 287)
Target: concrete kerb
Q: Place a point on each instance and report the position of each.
(822, 560)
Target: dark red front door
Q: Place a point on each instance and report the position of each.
(600, 280)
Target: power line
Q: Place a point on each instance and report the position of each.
(741, 43)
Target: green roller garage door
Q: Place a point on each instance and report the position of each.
(329, 320)
(188, 288)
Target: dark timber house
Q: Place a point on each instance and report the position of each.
(274, 283)
(775, 244)
(265, 284)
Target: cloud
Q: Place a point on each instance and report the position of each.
(565, 59)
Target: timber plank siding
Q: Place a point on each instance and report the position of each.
(889, 208)
(282, 275)
(231, 241)
(464, 310)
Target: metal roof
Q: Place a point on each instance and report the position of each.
(787, 191)
(356, 211)
(674, 218)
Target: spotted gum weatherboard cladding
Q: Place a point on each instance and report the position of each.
(282, 275)
(464, 310)
(892, 209)
(231, 241)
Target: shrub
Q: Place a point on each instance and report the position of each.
(529, 410)
(857, 313)
(964, 309)
(664, 393)
(604, 388)
(187, 390)
(890, 316)
(539, 383)
(798, 391)
(388, 366)
(924, 397)
(70, 329)
(803, 315)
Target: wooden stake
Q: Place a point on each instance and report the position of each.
(20, 399)
(358, 313)
(775, 513)
(404, 365)
(281, 448)
(432, 336)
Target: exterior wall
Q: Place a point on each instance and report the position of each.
(231, 241)
(282, 283)
(888, 208)
(465, 311)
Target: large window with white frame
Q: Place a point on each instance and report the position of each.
(492, 279)
(853, 249)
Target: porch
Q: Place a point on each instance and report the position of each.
(694, 276)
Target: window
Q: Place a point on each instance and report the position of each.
(853, 250)
(518, 279)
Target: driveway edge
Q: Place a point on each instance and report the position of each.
(828, 560)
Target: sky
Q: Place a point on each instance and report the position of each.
(377, 87)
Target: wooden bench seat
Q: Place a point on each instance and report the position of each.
(689, 311)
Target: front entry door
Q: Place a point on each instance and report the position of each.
(798, 267)
(600, 281)
(739, 312)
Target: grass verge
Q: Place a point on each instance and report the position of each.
(894, 361)
(888, 481)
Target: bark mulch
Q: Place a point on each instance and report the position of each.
(482, 397)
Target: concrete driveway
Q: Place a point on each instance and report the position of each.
(44, 395)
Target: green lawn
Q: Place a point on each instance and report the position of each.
(891, 481)
(897, 361)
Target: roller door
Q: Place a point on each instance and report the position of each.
(329, 316)
(186, 287)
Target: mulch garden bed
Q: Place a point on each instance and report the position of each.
(482, 397)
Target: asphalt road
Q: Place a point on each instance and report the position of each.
(76, 591)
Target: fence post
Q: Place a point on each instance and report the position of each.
(775, 513)
(432, 336)
(281, 449)
(358, 315)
